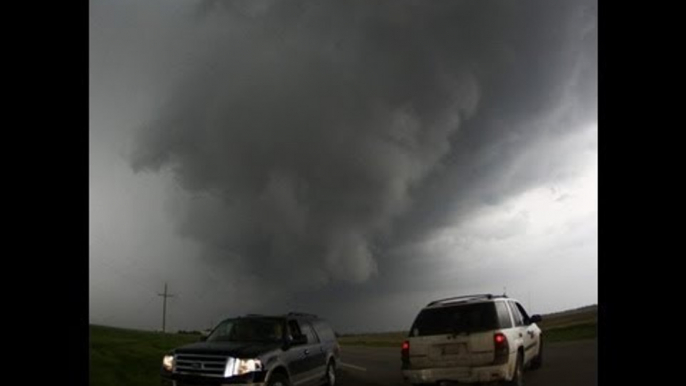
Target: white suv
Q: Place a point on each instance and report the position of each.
(472, 339)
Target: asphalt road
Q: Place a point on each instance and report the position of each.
(564, 364)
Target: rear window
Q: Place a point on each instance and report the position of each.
(465, 318)
(325, 332)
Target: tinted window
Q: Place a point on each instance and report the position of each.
(516, 315)
(325, 332)
(455, 320)
(248, 330)
(525, 316)
(293, 328)
(307, 330)
(503, 315)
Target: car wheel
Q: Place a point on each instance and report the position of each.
(278, 380)
(538, 361)
(518, 376)
(331, 374)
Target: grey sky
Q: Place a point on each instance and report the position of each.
(354, 159)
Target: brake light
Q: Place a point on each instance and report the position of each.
(405, 354)
(501, 349)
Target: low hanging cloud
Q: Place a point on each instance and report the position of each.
(302, 148)
(304, 132)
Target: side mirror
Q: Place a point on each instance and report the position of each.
(535, 319)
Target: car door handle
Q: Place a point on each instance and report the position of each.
(306, 352)
(520, 335)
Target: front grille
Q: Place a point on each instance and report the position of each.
(200, 364)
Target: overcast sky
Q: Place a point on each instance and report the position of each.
(354, 159)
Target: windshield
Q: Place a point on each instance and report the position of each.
(455, 320)
(248, 330)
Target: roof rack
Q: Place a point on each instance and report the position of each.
(465, 298)
(301, 314)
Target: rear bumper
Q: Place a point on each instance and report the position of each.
(457, 374)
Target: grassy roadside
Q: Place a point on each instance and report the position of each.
(570, 333)
(129, 357)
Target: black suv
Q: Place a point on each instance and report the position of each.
(290, 350)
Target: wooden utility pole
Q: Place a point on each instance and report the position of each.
(165, 295)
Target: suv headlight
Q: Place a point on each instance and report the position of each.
(236, 366)
(168, 362)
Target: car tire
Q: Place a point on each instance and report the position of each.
(278, 380)
(518, 376)
(537, 362)
(331, 374)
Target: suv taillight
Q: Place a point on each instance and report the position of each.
(502, 348)
(405, 354)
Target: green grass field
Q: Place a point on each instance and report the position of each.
(585, 315)
(577, 332)
(129, 357)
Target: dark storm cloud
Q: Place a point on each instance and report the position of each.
(307, 132)
(323, 145)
